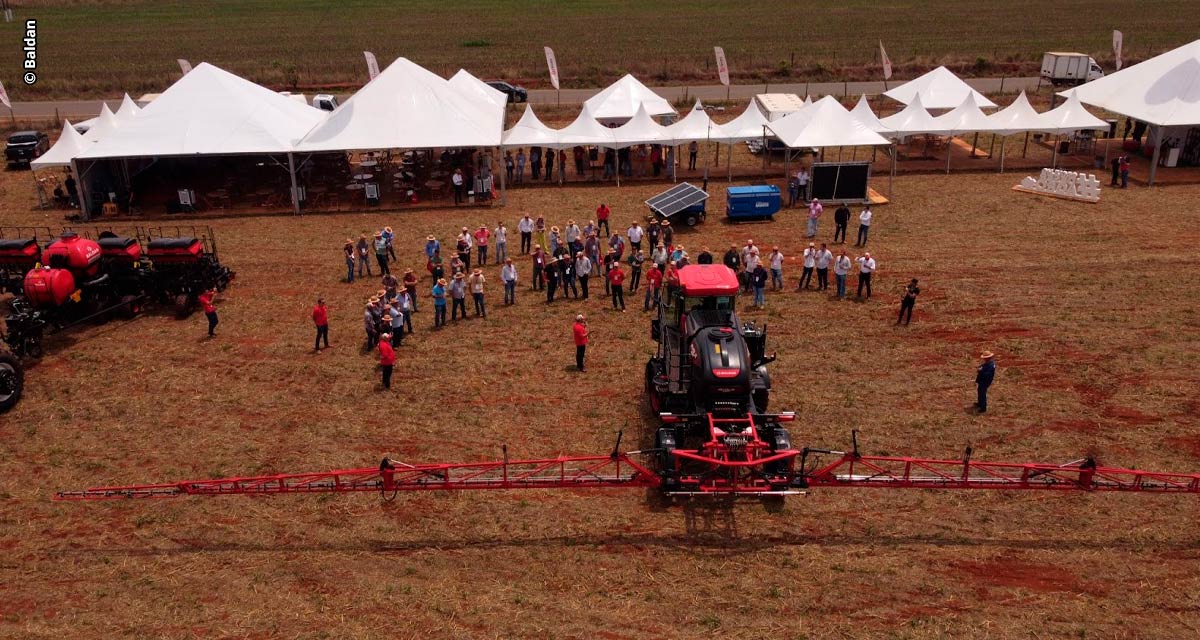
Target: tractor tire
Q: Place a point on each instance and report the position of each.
(183, 305)
(691, 220)
(652, 393)
(12, 381)
(761, 398)
(131, 307)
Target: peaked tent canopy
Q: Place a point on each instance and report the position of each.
(103, 125)
(405, 107)
(747, 126)
(620, 101)
(965, 118)
(586, 131)
(640, 129)
(912, 120)
(475, 89)
(1069, 117)
(863, 113)
(530, 131)
(128, 109)
(938, 89)
(68, 145)
(696, 125)
(1164, 90)
(825, 124)
(1017, 117)
(208, 111)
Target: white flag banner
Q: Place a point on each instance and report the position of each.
(552, 64)
(4, 96)
(372, 64)
(1118, 41)
(722, 65)
(887, 62)
(184, 66)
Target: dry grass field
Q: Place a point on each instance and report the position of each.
(106, 47)
(1091, 309)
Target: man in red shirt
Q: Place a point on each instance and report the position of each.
(602, 213)
(581, 340)
(320, 316)
(387, 359)
(616, 278)
(653, 286)
(206, 301)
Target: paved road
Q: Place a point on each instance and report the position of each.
(81, 109)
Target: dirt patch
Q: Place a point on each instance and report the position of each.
(1129, 415)
(1017, 574)
(1190, 444)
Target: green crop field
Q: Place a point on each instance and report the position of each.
(91, 48)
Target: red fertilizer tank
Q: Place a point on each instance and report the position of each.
(80, 255)
(48, 287)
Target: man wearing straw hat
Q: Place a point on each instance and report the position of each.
(381, 256)
(983, 379)
(410, 286)
(508, 274)
(387, 360)
(369, 323)
(348, 249)
(389, 237)
(439, 302)
(458, 296)
(476, 282)
(394, 321)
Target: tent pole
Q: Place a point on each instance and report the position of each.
(949, 146)
(974, 144)
(853, 153)
(81, 188)
(295, 191)
(1054, 154)
(729, 164)
(617, 161)
(1025, 149)
(37, 187)
(503, 178)
(1002, 141)
(892, 177)
(765, 151)
(991, 147)
(1154, 160)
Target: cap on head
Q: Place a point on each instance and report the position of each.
(579, 318)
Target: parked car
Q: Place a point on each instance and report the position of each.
(325, 102)
(514, 93)
(24, 146)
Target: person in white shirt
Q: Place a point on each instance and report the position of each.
(635, 233)
(802, 181)
(458, 181)
(841, 268)
(476, 282)
(572, 233)
(776, 259)
(659, 256)
(747, 249)
(525, 226)
(866, 266)
(864, 226)
(583, 271)
(815, 209)
(824, 257)
(508, 275)
(501, 236)
(810, 262)
(753, 260)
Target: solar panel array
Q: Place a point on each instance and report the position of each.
(676, 199)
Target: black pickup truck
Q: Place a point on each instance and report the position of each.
(24, 146)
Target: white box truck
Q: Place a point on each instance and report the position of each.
(1069, 68)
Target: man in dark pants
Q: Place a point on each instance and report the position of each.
(387, 359)
(1116, 170)
(616, 277)
(908, 302)
(210, 312)
(580, 332)
(983, 379)
(841, 218)
(320, 317)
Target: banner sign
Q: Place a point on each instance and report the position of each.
(184, 66)
(1118, 41)
(722, 66)
(372, 64)
(552, 64)
(887, 62)
(4, 96)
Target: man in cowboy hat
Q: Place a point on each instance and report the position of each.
(381, 256)
(348, 249)
(667, 234)
(465, 242)
(476, 281)
(387, 359)
(394, 321)
(431, 246)
(508, 274)
(410, 286)
(439, 302)
(369, 323)
(388, 237)
(458, 296)
(580, 332)
(983, 379)
(911, 291)
(500, 233)
(481, 243)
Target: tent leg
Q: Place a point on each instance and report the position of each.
(729, 164)
(892, 176)
(1054, 154)
(853, 153)
(618, 162)
(295, 191)
(1025, 149)
(81, 188)
(1002, 141)
(1154, 160)
(974, 144)
(949, 146)
(503, 178)
(991, 147)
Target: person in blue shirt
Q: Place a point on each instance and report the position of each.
(983, 379)
(388, 237)
(432, 246)
(439, 303)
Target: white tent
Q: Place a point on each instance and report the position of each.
(825, 124)
(1163, 91)
(1017, 117)
(475, 89)
(965, 118)
(404, 107)
(747, 126)
(103, 125)
(529, 131)
(938, 89)
(207, 112)
(128, 109)
(912, 120)
(696, 125)
(586, 131)
(68, 145)
(640, 129)
(620, 101)
(863, 113)
(1069, 117)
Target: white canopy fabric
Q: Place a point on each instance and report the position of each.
(475, 89)
(825, 124)
(1164, 90)
(863, 113)
(128, 109)
(938, 89)
(1069, 117)
(404, 107)
(208, 111)
(747, 126)
(586, 131)
(620, 101)
(965, 118)
(912, 120)
(1017, 117)
(695, 126)
(529, 131)
(68, 145)
(103, 125)
(640, 129)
